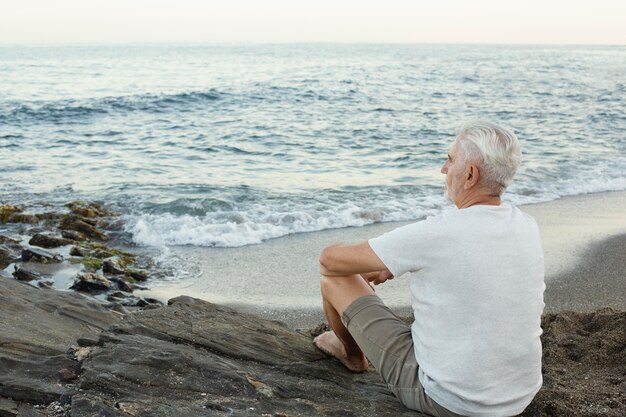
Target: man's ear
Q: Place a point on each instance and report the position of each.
(472, 177)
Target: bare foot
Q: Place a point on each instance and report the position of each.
(330, 344)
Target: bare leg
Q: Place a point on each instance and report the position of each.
(337, 294)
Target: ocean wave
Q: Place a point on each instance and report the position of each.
(260, 223)
(213, 223)
(74, 110)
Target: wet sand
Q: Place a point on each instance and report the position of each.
(584, 240)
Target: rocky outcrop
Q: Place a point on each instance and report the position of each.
(104, 267)
(37, 327)
(190, 358)
(62, 354)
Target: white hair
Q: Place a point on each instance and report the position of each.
(495, 149)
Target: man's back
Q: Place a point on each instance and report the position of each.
(477, 294)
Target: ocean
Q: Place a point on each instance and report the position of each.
(223, 146)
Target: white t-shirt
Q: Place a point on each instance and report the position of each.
(477, 282)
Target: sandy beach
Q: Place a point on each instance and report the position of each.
(584, 240)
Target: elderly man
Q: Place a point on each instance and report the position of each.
(476, 291)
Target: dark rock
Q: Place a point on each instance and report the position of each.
(8, 407)
(78, 251)
(88, 341)
(45, 284)
(132, 301)
(49, 217)
(102, 253)
(114, 225)
(110, 267)
(193, 358)
(82, 225)
(35, 229)
(22, 218)
(7, 257)
(154, 301)
(9, 241)
(7, 210)
(88, 210)
(122, 285)
(47, 241)
(67, 375)
(10, 251)
(91, 282)
(92, 222)
(86, 406)
(137, 274)
(116, 295)
(36, 330)
(40, 255)
(74, 235)
(24, 274)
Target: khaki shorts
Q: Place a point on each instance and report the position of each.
(387, 343)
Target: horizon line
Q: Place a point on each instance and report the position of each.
(224, 43)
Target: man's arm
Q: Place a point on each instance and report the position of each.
(339, 260)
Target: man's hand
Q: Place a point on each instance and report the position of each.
(377, 277)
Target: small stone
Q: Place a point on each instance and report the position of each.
(116, 296)
(45, 284)
(122, 285)
(78, 251)
(67, 375)
(73, 235)
(23, 274)
(8, 256)
(91, 282)
(154, 301)
(82, 225)
(88, 210)
(40, 255)
(137, 274)
(7, 210)
(110, 267)
(47, 241)
(81, 353)
(22, 218)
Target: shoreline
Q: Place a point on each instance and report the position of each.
(278, 279)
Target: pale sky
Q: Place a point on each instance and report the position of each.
(268, 21)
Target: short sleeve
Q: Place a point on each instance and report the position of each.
(403, 249)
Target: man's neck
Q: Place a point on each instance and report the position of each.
(477, 200)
